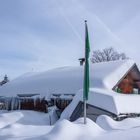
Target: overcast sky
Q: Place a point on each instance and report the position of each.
(36, 35)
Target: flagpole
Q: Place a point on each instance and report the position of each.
(85, 111)
(86, 72)
(85, 103)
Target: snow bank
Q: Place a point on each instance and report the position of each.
(65, 130)
(18, 131)
(24, 117)
(23, 124)
(108, 123)
(6, 118)
(30, 125)
(33, 125)
(74, 130)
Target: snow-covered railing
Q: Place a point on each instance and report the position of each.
(126, 115)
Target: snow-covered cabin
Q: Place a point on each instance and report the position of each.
(69, 80)
(106, 80)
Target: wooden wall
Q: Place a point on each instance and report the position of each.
(126, 85)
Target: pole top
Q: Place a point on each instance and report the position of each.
(85, 20)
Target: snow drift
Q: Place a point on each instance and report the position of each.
(30, 125)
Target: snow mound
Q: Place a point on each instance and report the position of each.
(25, 131)
(24, 117)
(108, 123)
(74, 130)
(19, 125)
(18, 129)
(33, 118)
(9, 118)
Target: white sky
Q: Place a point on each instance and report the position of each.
(36, 35)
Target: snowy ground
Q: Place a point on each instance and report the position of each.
(30, 125)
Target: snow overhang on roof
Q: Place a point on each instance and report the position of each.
(123, 67)
(107, 100)
(114, 102)
(27, 95)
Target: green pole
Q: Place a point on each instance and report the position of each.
(86, 70)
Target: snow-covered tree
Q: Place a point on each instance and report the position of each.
(5, 80)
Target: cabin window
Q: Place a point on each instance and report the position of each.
(135, 91)
(118, 90)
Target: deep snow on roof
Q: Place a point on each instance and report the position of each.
(107, 100)
(67, 79)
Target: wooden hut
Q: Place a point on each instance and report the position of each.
(130, 82)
